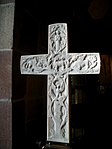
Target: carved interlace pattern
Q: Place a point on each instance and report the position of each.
(57, 64)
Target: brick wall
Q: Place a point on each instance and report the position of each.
(6, 44)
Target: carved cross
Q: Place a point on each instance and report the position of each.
(58, 64)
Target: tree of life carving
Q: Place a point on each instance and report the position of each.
(58, 64)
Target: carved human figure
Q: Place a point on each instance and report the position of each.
(58, 64)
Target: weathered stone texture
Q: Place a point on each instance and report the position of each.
(5, 74)
(6, 44)
(6, 25)
(5, 125)
(6, 1)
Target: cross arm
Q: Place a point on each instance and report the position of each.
(34, 64)
(84, 63)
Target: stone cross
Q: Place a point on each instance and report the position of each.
(58, 64)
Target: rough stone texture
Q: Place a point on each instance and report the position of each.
(5, 74)
(5, 125)
(6, 1)
(6, 25)
(6, 44)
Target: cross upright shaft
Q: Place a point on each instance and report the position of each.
(58, 64)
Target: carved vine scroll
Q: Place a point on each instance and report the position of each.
(58, 64)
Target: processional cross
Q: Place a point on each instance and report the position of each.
(58, 64)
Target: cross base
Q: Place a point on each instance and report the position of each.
(56, 146)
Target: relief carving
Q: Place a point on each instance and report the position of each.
(58, 64)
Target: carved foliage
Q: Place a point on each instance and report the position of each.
(57, 64)
(58, 85)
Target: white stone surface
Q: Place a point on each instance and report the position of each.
(58, 64)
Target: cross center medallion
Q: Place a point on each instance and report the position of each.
(58, 64)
